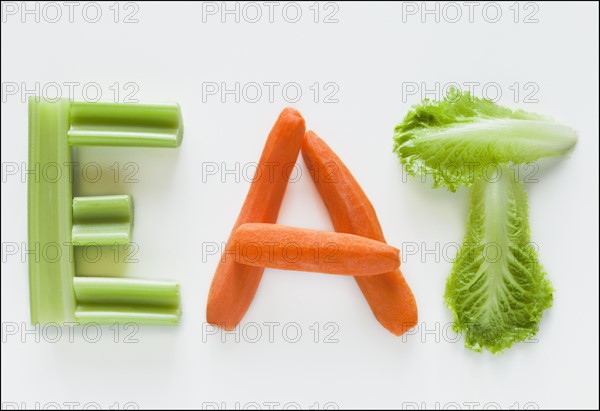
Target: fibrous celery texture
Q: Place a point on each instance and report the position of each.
(49, 198)
(102, 220)
(85, 314)
(108, 300)
(107, 290)
(57, 221)
(116, 124)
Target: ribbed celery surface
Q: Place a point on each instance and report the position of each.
(111, 314)
(102, 220)
(118, 124)
(51, 269)
(57, 221)
(126, 291)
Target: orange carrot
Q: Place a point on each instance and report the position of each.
(234, 285)
(301, 249)
(388, 295)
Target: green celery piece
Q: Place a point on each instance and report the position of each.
(56, 221)
(102, 220)
(119, 124)
(51, 267)
(126, 291)
(497, 290)
(100, 314)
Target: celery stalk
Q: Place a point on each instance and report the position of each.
(99, 314)
(118, 124)
(126, 291)
(51, 267)
(102, 220)
(57, 221)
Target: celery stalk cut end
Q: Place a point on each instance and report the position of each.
(102, 220)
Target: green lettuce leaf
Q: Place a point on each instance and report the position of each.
(497, 290)
(457, 139)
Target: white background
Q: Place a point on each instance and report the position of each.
(371, 53)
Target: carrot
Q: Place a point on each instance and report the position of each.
(301, 249)
(234, 285)
(388, 295)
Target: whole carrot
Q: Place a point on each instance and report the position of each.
(234, 285)
(388, 295)
(301, 249)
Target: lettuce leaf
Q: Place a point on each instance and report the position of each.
(497, 290)
(457, 139)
